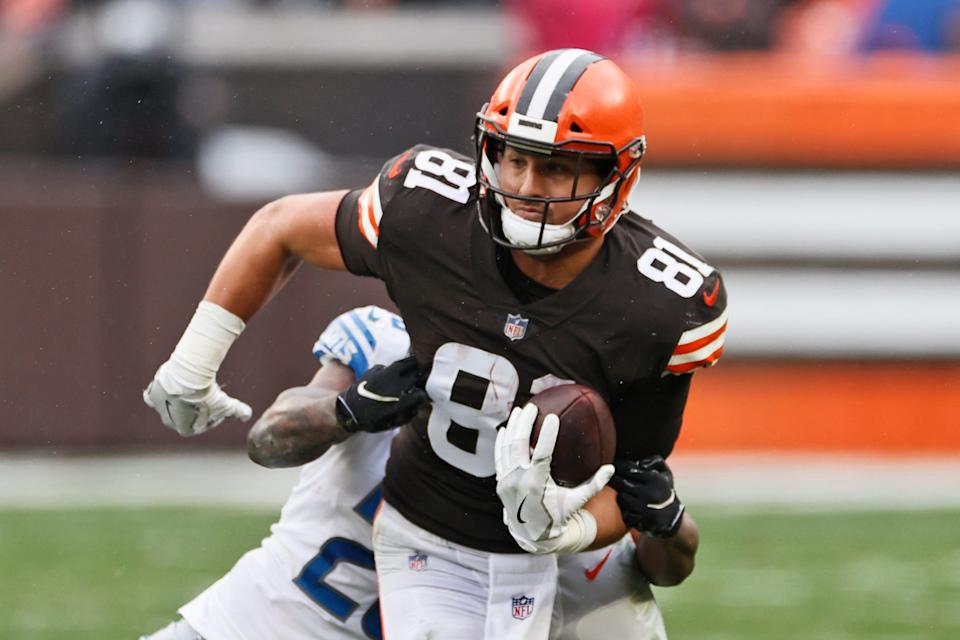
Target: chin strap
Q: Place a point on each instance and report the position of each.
(525, 233)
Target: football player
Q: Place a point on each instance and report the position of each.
(313, 576)
(514, 270)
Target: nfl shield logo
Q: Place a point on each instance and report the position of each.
(516, 326)
(522, 607)
(417, 562)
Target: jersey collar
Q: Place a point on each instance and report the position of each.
(551, 310)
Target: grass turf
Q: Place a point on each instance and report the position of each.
(823, 576)
(116, 573)
(112, 573)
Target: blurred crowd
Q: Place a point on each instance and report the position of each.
(616, 26)
(130, 102)
(814, 26)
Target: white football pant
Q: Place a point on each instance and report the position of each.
(433, 588)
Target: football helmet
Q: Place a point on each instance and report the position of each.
(566, 102)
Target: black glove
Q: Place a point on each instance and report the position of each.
(646, 496)
(383, 398)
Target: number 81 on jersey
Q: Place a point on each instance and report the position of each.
(679, 271)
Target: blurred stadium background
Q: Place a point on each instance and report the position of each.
(809, 148)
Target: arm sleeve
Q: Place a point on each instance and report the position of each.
(362, 338)
(359, 255)
(703, 333)
(363, 215)
(649, 416)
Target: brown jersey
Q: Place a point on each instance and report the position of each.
(632, 325)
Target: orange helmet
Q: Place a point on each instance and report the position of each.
(570, 102)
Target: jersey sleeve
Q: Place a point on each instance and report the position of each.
(362, 338)
(649, 417)
(359, 257)
(358, 230)
(393, 207)
(360, 216)
(704, 329)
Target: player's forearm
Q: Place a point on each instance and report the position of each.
(298, 428)
(610, 526)
(256, 265)
(668, 561)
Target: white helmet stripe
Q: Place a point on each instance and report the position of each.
(548, 83)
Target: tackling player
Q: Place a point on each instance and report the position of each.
(313, 576)
(570, 289)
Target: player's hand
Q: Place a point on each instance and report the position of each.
(187, 411)
(383, 398)
(537, 511)
(646, 496)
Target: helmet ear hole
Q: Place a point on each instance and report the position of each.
(503, 111)
(576, 127)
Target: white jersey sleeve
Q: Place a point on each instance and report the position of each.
(362, 338)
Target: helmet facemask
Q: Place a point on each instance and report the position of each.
(538, 237)
(571, 103)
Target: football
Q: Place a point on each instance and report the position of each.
(587, 437)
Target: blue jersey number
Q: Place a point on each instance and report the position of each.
(312, 578)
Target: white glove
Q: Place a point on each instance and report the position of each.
(542, 516)
(185, 391)
(187, 412)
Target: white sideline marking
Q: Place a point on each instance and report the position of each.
(790, 481)
(228, 479)
(819, 481)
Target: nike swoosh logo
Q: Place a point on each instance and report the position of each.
(370, 395)
(167, 404)
(394, 170)
(519, 509)
(169, 414)
(666, 503)
(592, 573)
(710, 299)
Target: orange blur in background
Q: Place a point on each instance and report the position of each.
(892, 110)
(864, 407)
(887, 111)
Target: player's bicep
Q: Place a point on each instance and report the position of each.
(307, 225)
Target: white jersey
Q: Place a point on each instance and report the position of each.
(314, 576)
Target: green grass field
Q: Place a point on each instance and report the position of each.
(115, 573)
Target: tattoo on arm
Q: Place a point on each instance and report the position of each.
(299, 427)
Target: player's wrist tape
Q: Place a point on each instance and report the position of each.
(203, 346)
(580, 532)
